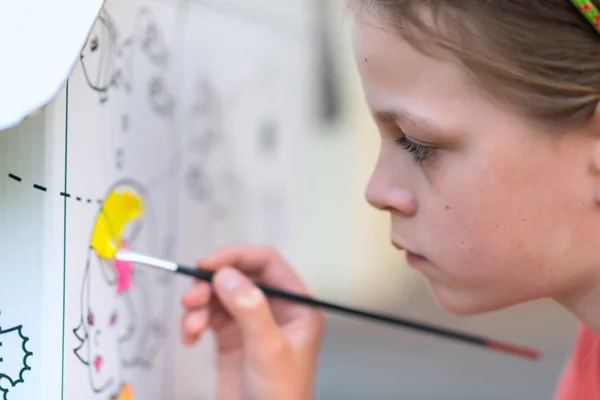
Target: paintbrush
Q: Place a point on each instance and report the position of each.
(134, 257)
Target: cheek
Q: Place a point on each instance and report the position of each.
(488, 262)
(502, 227)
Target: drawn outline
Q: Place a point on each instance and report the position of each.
(26, 355)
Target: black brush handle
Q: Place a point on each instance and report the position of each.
(431, 329)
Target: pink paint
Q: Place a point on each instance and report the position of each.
(123, 269)
(98, 363)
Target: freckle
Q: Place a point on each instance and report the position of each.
(366, 60)
(523, 219)
(471, 249)
(462, 242)
(447, 207)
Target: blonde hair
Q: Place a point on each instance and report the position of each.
(541, 57)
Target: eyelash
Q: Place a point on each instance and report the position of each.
(420, 152)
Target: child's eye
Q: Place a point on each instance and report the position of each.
(113, 319)
(90, 318)
(419, 151)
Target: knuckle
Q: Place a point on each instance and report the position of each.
(185, 328)
(271, 253)
(231, 250)
(202, 294)
(276, 349)
(195, 298)
(186, 301)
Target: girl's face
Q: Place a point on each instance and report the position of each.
(501, 211)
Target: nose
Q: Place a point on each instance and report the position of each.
(386, 192)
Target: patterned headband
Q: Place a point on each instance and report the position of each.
(590, 11)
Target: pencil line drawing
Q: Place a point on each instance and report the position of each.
(117, 328)
(14, 357)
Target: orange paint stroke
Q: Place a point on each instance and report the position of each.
(125, 393)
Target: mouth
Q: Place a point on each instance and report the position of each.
(98, 363)
(413, 259)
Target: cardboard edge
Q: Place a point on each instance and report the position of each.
(44, 102)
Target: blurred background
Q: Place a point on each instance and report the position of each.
(346, 256)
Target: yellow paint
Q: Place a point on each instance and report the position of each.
(118, 209)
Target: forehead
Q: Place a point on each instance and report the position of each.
(397, 76)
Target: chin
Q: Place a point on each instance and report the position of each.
(462, 304)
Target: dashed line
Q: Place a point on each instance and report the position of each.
(62, 194)
(16, 178)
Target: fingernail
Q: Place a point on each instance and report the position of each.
(230, 279)
(250, 299)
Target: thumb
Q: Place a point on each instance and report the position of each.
(250, 309)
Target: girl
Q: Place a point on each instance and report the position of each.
(489, 168)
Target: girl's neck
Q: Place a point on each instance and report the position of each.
(585, 305)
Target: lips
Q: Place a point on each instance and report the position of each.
(98, 363)
(413, 259)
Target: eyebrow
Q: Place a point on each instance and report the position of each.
(390, 115)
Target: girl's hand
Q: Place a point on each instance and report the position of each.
(267, 348)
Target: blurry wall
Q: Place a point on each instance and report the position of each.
(346, 253)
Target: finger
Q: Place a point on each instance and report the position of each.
(194, 323)
(189, 340)
(261, 260)
(219, 316)
(245, 257)
(248, 306)
(197, 297)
